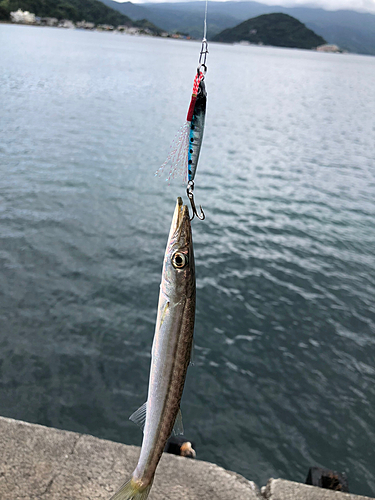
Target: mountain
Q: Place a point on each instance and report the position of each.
(279, 30)
(173, 18)
(181, 17)
(353, 31)
(75, 10)
(134, 11)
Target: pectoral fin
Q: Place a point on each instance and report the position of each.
(178, 428)
(139, 416)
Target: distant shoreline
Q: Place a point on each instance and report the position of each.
(181, 39)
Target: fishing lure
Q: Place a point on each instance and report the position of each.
(184, 153)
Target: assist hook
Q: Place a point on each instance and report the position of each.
(189, 192)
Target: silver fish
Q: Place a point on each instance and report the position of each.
(171, 353)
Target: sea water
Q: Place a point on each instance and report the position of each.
(283, 374)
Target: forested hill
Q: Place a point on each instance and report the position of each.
(75, 10)
(280, 30)
(350, 30)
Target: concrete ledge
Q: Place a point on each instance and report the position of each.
(42, 463)
(279, 489)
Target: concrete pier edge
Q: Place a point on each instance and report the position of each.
(42, 463)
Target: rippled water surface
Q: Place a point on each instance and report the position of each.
(284, 374)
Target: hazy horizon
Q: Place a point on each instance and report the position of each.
(357, 5)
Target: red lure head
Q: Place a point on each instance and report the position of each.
(197, 80)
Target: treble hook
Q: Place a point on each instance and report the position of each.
(189, 192)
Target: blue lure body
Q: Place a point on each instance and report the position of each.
(196, 130)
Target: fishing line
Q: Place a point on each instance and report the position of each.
(205, 23)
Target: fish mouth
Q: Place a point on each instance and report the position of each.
(180, 231)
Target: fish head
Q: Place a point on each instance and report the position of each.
(179, 269)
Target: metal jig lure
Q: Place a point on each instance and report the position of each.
(185, 150)
(196, 117)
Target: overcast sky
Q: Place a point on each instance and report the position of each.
(359, 5)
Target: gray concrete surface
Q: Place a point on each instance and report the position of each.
(41, 463)
(280, 489)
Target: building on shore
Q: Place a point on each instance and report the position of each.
(132, 31)
(66, 23)
(105, 27)
(329, 48)
(85, 25)
(122, 28)
(25, 17)
(22, 17)
(49, 21)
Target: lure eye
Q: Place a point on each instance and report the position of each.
(179, 260)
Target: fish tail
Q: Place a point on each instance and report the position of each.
(132, 491)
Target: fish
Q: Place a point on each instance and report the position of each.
(170, 355)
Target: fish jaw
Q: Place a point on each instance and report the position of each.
(180, 231)
(178, 268)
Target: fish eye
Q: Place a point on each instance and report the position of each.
(179, 260)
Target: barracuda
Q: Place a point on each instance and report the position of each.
(171, 352)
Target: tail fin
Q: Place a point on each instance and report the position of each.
(131, 491)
